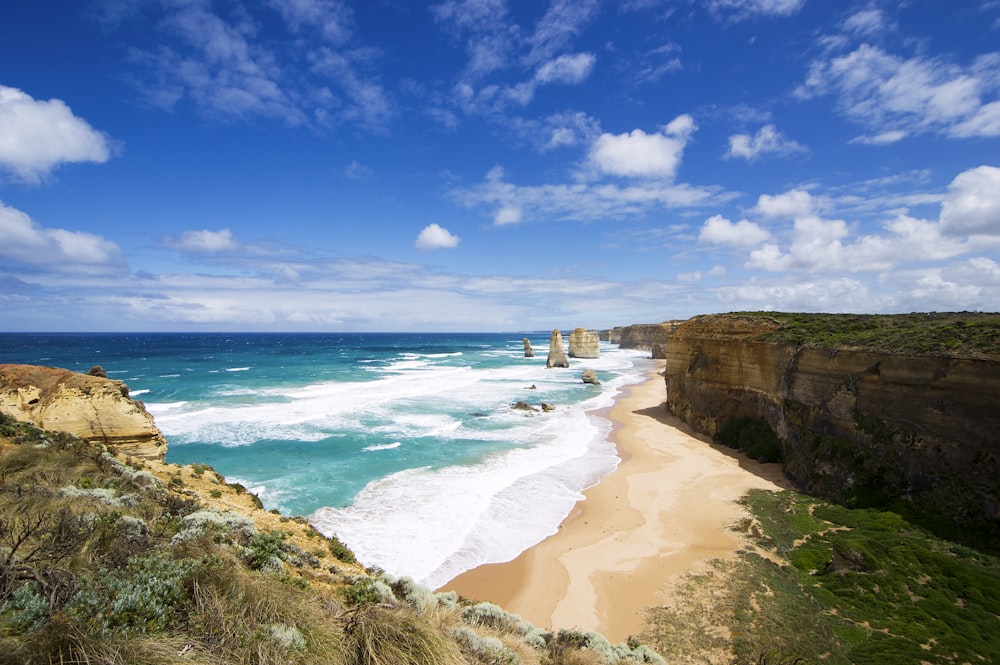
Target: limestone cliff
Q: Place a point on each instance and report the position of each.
(584, 343)
(866, 427)
(650, 336)
(94, 408)
(557, 355)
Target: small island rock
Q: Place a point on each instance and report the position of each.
(528, 351)
(590, 376)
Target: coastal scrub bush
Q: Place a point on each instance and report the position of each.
(145, 597)
(494, 616)
(266, 551)
(225, 526)
(483, 648)
(367, 591)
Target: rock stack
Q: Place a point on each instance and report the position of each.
(584, 344)
(528, 351)
(557, 356)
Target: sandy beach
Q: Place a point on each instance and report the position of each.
(665, 511)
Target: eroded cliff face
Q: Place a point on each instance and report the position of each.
(651, 336)
(862, 427)
(94, 408)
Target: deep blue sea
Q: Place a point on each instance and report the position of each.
(403, 445)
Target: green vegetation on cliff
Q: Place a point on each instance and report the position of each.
(833, 585)
(959, 334)
(105, 563)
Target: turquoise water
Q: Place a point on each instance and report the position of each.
(403, 445)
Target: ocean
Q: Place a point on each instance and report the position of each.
(404, 446)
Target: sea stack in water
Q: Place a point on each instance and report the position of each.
(584, 344)
(590, 376)
(557, 356)
(528, 351)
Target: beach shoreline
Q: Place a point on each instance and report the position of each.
(666, 511)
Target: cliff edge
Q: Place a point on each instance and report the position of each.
(910, 424)
(96, 409)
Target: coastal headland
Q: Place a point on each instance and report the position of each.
(666, 510)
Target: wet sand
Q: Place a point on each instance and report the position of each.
(665, 511)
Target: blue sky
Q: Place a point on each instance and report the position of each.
(493, 165)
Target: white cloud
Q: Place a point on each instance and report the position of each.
(36, 136)
(791, 204)
(581, 201)
(718, 230)
(896, 96)
(740, 9)
(566, 69)
(767, 140)
(434, 237)
(357, 171)
(972, 206)
(204, 242)
(27, 243)
(508, 214)
(828, 295)
(870, 21)
(641, 155)
(332, 18)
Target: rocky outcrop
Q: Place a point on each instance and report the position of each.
(528, 351)
(92, 407)
(557, 355)
(914, 431)
(584, 343)
(650, 336)
(612, 335)
(590, 376)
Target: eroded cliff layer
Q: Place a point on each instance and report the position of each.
(866, 426)
(650, 336)
(94, 408)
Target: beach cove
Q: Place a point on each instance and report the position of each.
(666, 511)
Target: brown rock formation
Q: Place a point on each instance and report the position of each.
(584, 343)
(858, 426)
(590, 376)
(557, 355)
(613, 335)
(94, 408)
(651, 336)
(528, 351)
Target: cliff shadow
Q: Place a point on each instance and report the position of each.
(772, 472)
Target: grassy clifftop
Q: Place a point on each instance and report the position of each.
(958, 334)
(105, 560)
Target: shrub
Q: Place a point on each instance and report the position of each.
(226, 525)
(145, 597)
(484, 649)
(266, 551)
(367, 591)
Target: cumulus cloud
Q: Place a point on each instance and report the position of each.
(897, 97)
(36, 136)
(972, 206)
(436, 237)
(791, 204)
(718, 230)
(641, 155)
(767, 140)
(204, 242)
(27, 243)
